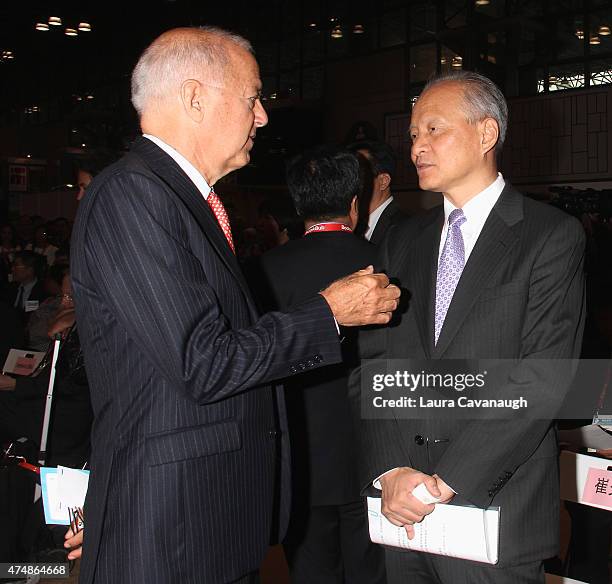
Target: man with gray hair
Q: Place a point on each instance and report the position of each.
(491, 275)
(189, 438)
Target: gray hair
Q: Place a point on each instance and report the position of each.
(482, 98)
(179, 54)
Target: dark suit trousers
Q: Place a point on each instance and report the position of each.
(330, 544)
(422, 568)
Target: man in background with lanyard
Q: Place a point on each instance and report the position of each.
(328, 538)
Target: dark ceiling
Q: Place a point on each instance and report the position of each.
(50, 64)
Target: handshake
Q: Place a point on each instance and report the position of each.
(408, 496)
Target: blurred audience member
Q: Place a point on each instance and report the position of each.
(278, 222)
(42, 246)
(91, 165)
(22, 399)
(27, 290)
(383, 209)
(40, 320)
(327, 540)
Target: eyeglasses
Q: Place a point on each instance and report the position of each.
(253, 99)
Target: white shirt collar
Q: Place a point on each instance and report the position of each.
(476, 212)
(375, 216)
(189, 169)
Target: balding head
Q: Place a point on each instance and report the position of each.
(179, 54)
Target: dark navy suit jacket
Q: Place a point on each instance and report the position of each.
(187, 436)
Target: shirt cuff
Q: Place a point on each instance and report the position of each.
(376, 482)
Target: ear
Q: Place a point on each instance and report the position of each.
(354, 212)
(384, 180)
(489, 133)
(192, 98)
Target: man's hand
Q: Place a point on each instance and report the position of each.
(362, 298)
(63, 320)
(7, 383)
(399, 506)
(75, 542)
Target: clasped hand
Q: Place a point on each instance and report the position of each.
(400, 506)
(362, 298)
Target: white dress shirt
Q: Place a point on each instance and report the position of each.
(476, 212)
(189, 169)
(375, 216)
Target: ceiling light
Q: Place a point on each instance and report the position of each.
(83, 145)
(457, 62)
(55, 21)
(71, 32)
(594, 40)
(42, 26)
(84, 27)
(579, 33)
(483, 2)
(358, 29)
(7, 55)
(313, 25)
(336, 32)
(443, 61)
(604, 30)
(90, 96)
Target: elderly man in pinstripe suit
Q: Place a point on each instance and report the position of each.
(188, 437)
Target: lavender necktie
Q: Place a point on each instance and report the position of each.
(450, 267)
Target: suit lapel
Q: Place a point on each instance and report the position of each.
(423, 278)
(494, 242)
(171, 173)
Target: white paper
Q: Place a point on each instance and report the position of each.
(62, 488)
(450, 530)
(72, 486)
(20, 362)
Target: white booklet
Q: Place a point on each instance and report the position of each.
(469, 533)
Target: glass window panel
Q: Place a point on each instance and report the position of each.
(338, 47)
(423, 21)
(312, 82)
(267, 55)
(363, 37)
(422, 62)
(393, 28)
(455, 13)
(290, 18)
(450, 61)
(601, 72)
(289, 84)
(527, 50)
(565, 5)
(600, 40)
(494, 9)
(270, 85)
(290, 54)
(570, 37)
(566, 77)
(313, 48)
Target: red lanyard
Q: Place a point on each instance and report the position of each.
(321, 227)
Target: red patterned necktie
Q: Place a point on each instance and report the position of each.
(221, 214)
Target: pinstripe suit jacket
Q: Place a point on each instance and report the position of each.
(187, 436)
(521, 297)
